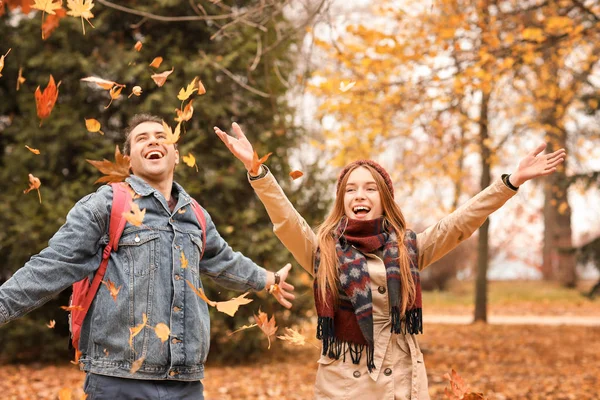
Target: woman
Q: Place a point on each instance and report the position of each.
(366, 265)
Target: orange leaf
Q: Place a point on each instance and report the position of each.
(138, 46)
(65, 394)
(256, 162)
(2, 61)
(93, 125)
(230, 307)
(77, 355)
(115, 93)
(135, 216)
(20, 79)
(162, 331)
(52, 22)
(136, 90)
(47, 6)
(112, 288)
(266, 325)
(137, 364)
(186, 114)
(156, 62)
(201, 89)
(72, 308)
(51, 324)
(184, 261)
(115, 172)
(133, 332)
(295, 174)
(44, 101)
(34, 183)
(200, 293)
(161, 78)
(34, 151)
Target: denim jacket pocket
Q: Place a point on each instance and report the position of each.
(197, 251)
(141, 249)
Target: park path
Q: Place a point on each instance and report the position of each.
(515, 320)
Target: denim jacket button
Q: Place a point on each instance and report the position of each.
(137, 239)
(172, 373)
(176, 309)
(177, 277)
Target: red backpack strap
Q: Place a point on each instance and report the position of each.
(202, 220)
(121, 204)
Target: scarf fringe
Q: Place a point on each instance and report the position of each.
(336, 348)
(412, 322)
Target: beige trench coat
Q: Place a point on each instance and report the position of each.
(400, 371)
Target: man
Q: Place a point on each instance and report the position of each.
(151, 267)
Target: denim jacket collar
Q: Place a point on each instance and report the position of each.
(142, 188)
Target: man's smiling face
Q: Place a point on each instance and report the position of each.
(151, 159)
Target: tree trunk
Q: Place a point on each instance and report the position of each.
(483, 245)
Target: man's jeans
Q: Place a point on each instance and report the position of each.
(101, 387)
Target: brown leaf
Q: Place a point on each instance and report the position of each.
(31, 149)
(161, 78)
(295, 174)
(230, 307)
(135, 216)
(266, 325)
(34, 183)
(156, 62)
(137, 364)
(257, 162)
(112, 288)
(44, 101)
(133, 332)
(115, 172)
(162, 331)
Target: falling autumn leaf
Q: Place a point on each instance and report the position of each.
(34, 151)
(115, 172)
(34, 183)
(112, 288)
(2, 61)
(52, 22)
(184, 261)
(230, 307)
(136, 90)
(162, 331)
(161, 78)
(81, 8)
(266, 325)
(103, 83)
(115, 93)
(72, 308)
(190, 161)
(20, 79)
(137, 364)
(77, 356)
(186, 114)
(344, 87)
(156, 62)
(257, 162)
(458, 389)
(184, 94)
(65, 394)
(201, 89)
(200, 293)
(47, 6)
(138, 46)
(170, 136)
(135, 216)
(243, 328)
(293, 337)
(133, 332)
(51, 324)
(93, 125)
(44, 101)
(295, 174)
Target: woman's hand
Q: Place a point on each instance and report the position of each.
(534, 165)
(240, 147)
(282, 291)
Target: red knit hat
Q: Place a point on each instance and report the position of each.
(372, 164)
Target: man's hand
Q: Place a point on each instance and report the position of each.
(240, 147)
(534, 165)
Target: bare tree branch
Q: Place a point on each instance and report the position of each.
(235, 78)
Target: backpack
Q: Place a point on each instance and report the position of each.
(84, 291)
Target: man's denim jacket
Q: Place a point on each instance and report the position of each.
(148, 268)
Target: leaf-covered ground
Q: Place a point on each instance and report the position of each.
(503, 362)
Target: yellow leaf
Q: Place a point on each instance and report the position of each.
(162, 331)
(161, 78)
(93, 125)
(136, 90)
(34, 183)
(2, 65)
(20, 79)
(47, 6)
(534, 34)
(112, 288)
(230, 307)
(156, 62)
(171, 137)
(138, 46)
(34, 151)
(81, 8)
(135, 216)
(136, 365)
(200, 293)
(190, 161)
(344, 87)
(133, 332)
(184, 94)
(184, 261)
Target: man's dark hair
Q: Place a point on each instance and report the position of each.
(133, 122)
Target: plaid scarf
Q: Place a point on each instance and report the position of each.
(350, 324)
